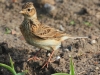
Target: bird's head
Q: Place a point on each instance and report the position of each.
(28, 10)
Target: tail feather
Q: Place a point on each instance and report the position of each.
(68, 37)
(77, 37)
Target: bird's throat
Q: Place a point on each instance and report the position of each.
(33, 20)
(32, 17)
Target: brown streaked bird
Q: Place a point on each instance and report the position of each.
(38, 34)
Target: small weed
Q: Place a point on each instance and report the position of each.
(87, 23)
(11, 68)
(72, 71)
(7, 31)
(72, 23)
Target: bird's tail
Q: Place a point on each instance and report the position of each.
(69, 37)
(77, 37)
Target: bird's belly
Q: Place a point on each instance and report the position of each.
(45, 44)
(48, 42)
(41, 43)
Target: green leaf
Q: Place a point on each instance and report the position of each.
(7, 31)
(11, 62)
(60, 74)
(22, 73)
(8, 68)
(87, 23)
(11, 68)
(72, 22)
(72, 71)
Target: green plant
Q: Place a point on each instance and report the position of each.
(11, 68)
(7, 31)
(72, 23)
(72, 71)
(87, 23)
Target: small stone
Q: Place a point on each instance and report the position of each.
(58, 57)
(66, 49)
(98, 15)
(69, 55)
(48, 54)
(59, 1)
(69, 48)
(51, 9)
(18, 68)
(93, 41)
(13, 32)
(97, 68)
(62, 28)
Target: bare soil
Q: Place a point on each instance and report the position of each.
(75, 17)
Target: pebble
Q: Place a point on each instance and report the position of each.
(97, 68)
(66, 49)
(51, 9)
(98, 15)
(58, 57)
(69, 48)
(48, 54)
(61, 1)
(69, 55)
(18, 68)
(93, 41)
(62, 28)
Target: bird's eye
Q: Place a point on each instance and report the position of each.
(28, 9)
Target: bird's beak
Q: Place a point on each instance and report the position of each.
(21, 12)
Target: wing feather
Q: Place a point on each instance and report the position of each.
(46, 32)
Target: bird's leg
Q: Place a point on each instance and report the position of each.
(48, 61)
(62, 46)
(34, 57)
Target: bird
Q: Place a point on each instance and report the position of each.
(40, 35)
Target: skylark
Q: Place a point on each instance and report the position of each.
(39, 35)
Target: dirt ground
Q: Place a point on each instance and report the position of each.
(75, 17)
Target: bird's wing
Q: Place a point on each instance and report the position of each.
(46, 32)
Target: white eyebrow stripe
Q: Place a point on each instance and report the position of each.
(31, 7)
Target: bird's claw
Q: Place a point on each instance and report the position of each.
(33, 58)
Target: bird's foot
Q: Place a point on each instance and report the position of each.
(33, 58)
(46, 63)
